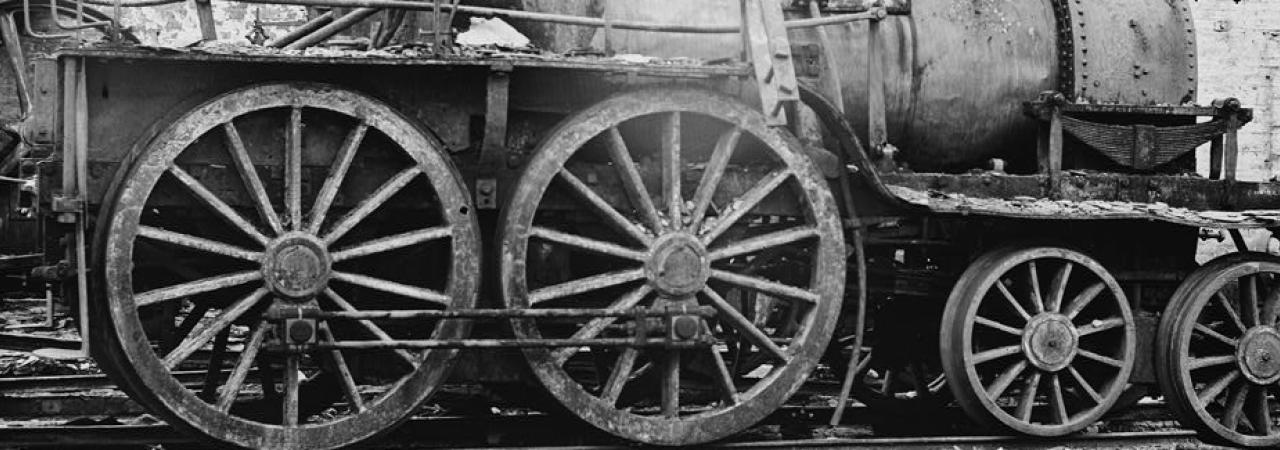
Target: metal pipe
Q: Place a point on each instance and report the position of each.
(582, 313)
(368, 7)
(335, 27)
(305, 29)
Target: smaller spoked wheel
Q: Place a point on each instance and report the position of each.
(674, 199)
(209, 262)
(1218, 351)
(1039, 341)
(899, 371)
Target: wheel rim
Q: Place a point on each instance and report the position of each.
(1220, 350)
(292, 249)
(1044, 356)
(690, 263)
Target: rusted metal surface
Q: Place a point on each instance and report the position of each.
(1189, 201)
(1145, 55)
(1217, 345)
(685, 246)
(300, 264)
(1037, 327)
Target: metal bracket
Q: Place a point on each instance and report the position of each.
(67, 204)
(765, 35)
(487, 193)
(497, 104)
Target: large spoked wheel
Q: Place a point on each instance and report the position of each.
(742, 223)
(250, 205)
(1218, 350)
(1038, 340)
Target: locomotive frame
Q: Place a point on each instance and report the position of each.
(116, 133)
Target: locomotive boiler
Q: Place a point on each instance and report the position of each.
(667, 223)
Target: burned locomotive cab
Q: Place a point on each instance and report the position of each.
(671, 218)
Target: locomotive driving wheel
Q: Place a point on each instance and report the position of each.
(1037, 340)
(265, 203)
(742, 223)
(1218, 350)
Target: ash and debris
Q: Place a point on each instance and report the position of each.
(1043, 208)
(27, 317)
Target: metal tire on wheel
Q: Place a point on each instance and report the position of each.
(1037, 358)
(691, 247)
(1218, 350)
(399, 236)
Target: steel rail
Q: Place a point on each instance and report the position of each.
(416, 432)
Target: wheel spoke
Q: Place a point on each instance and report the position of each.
(207, 333)
(1259, 412)
(371, 327)
(1249, 300)
(723, 378)
(1033, 285)
(1028, 400)
(1235, 406)
(241, 371)
(918, 379)
(212, 201)
(391, 287)
(337, 173)
(1058, 288)
(198, 243)
(744, 326)
(585, 243)
(744, 204)
(1083, 299)
(344, 371)
(619, 376)
(196, 287)
(671, 384)
(1231, 312)
(996, 353)
(390, 243)
(997, 326)
(890, 378)
(631, 180)
(766, 286)
(762, 242)
(291, 384)
(584, 285)
(672, 169)
(293, 171)
(1084, 384)
(370, 204)
(1211, 361)
(1212, 391)
(1006, 379)
(249, 175)
(616, 220)
(598, 325)
(214, 370)
(1013, 302)
(1098, 326)
(1099, 358)
(1056, 402)
(712, 176)
(1216, 335)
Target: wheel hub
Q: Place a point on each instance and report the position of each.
(1259, 355)
(296, 267)
(678, 265)
(1050, 342)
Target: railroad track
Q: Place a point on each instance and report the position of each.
(426, 433)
